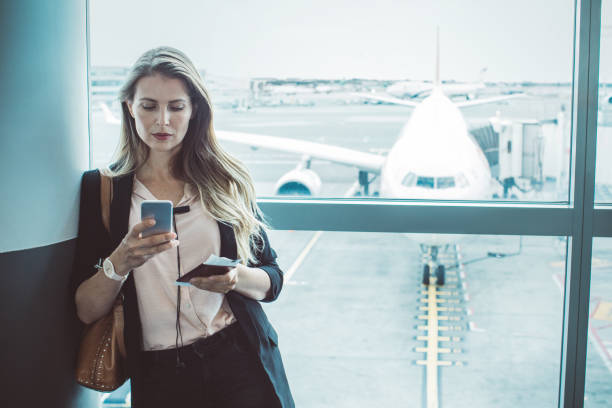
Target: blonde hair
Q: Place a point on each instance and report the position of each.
(224, 185)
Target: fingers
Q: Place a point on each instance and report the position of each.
(141, 226)
(155, 249)
(136, 251)
(156, 239)
(133, 240)
(217, 283)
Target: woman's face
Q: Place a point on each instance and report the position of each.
(161, 109)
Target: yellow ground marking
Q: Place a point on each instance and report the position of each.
(440, 350)
(425, 317)
(298, 261)
(443, 293)
(603, 311)
(432, 347)
(424, 300)
(443, 328)
(440, 338)
(442, 309)
(440, 363)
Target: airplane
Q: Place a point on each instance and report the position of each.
(435, 157)
(418, 89)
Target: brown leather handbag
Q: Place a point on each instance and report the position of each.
(101, 362)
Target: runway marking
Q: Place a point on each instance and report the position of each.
(432, 348)
(603, 311)
(594, 336)
(298, 261)
(443, 305)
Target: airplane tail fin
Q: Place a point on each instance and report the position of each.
(481, 74)
(437, 83)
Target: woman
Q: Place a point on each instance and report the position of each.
(206, 345)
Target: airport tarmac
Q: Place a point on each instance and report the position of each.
(348, 316)
(348, 321)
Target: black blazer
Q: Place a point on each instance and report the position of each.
(94, 242)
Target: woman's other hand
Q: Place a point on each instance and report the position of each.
(217, 283)
(134, 250)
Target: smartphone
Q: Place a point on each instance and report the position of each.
(161, 210)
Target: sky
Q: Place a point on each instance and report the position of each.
(519, 40)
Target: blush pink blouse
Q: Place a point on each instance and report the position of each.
(202, 312)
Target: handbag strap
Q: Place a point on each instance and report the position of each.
(106, 196)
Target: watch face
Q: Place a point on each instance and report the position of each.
(109, 270)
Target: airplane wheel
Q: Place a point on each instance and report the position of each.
(440, 272)
(426, 275)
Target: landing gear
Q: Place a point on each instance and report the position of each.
(364, 183)
(432, 267)
(440, 272)
(426, 274)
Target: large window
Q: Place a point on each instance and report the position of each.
(353, 139)
(475, 114)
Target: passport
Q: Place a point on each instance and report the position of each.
(214, 265)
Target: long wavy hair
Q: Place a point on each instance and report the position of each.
(224, 185)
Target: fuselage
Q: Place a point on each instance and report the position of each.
(435, 157)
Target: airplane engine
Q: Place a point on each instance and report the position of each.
(299, 181)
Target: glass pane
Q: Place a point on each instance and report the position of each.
(354, 329)
(358, 328)
(603, 179)
(598, 387)
(346, 102)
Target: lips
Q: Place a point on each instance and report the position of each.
(162, 136)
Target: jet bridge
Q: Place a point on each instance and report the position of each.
(488, 140)
(521, 153)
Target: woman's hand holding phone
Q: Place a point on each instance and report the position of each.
(135, 250)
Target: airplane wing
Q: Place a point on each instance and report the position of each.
(484, 101)
(388, 99)
(364, 161)
(369, 162)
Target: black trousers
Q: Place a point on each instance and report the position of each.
(220, 371)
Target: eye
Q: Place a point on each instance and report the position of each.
(148, 107)
(177, 108)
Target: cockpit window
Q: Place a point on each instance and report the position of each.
(412, 180)
(426, 182)
(445, 182)
(409, 180)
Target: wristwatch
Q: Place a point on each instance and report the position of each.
(109, 271)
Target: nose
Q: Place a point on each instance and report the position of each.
(163, 119)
